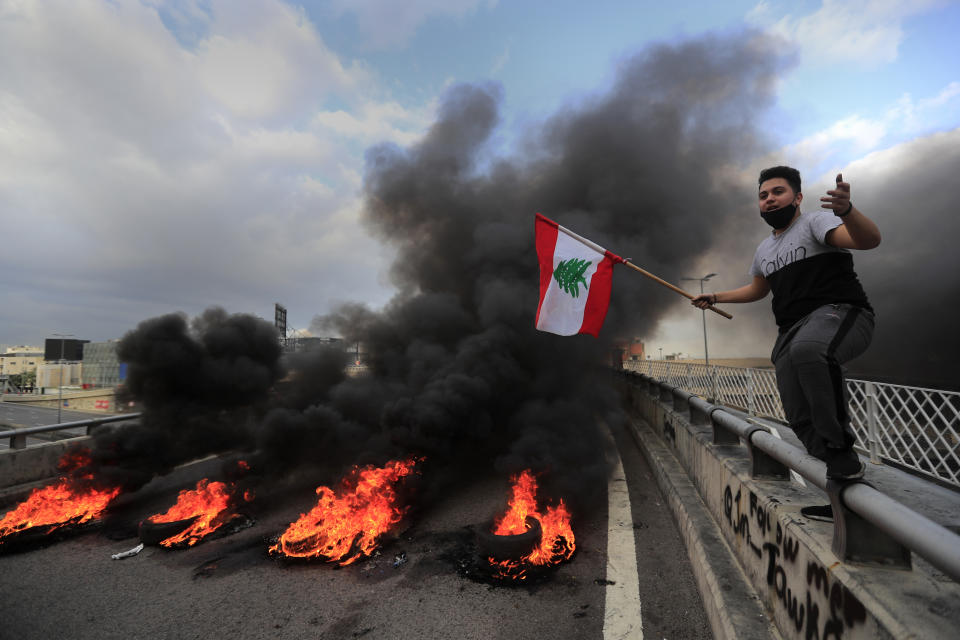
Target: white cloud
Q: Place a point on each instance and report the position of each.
(865, 32)
(501, 61)
(250, 79)
(855, 135)
(376, 121)
(949, 93)
(388, 24)
(267, 59)
(145, 172)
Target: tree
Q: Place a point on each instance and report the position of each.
(24, 380)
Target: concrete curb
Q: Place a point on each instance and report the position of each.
(733, 607)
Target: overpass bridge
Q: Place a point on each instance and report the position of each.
(700, 537)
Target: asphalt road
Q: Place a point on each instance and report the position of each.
(231, 587)
(20, 415)
(14, 415)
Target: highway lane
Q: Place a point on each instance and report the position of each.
(20, 415)
(231, 587)
(13, 414)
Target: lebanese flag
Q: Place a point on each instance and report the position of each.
(575, 280)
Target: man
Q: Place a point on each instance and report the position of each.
(820, 307)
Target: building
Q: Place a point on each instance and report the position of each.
(101, 367)
(49, 374)
(67, 349)
(20, 359)
(630, 349)
(18, 367)
(298, 343)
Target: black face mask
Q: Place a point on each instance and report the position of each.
(779, 218)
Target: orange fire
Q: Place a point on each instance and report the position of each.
(343, 528)
(209, 503)
(557, 542)
(69, 501)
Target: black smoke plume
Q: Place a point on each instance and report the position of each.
(913, 277)
(200, 388)
(458, 372)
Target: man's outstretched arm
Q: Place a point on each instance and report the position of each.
(857, 231)
(756, 290)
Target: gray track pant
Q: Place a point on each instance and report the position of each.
(809, 359)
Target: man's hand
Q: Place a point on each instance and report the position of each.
(857, 231)
(838, 199)
(704, 300)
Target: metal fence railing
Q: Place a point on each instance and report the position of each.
(913, 427)
(870, 527)
(18, 437)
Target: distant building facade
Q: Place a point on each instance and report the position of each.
(20, 359)
(630, 350)
(356, 351)
(101, 367)
(297, 344)
(54, 374)
(68, 349)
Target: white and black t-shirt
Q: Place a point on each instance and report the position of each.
(804, 272)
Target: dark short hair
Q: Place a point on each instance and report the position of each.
(791, 175)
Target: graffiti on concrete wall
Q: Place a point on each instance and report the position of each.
(816, 604)
(669, 432)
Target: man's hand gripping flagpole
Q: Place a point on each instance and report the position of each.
(686, 295)
(590, 314)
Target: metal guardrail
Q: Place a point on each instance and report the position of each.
(18, 437)
(868, 525)
(915, 428)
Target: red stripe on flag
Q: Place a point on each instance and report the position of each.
(545, 232)
(598, 300)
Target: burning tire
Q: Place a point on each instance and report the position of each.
(153, 533)
(491, 545)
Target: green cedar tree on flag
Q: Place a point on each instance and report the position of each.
(575, 280)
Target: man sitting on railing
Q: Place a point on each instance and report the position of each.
(820, 307)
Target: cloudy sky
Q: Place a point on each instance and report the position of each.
(168, 156)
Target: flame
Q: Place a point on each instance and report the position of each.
(209, 503)
(557, 542)
(343, 528)
(70, 501)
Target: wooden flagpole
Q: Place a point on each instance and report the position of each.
(644, 272)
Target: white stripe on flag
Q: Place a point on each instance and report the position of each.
(561, 313)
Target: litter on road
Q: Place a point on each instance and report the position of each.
(126, 554)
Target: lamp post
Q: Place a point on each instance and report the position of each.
(60, 386)
(706, 354)
(661, 352)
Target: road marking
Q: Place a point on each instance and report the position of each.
(621, 612)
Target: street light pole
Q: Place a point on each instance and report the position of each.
(60, 386)
(706, 353)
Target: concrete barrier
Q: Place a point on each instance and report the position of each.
(805, 588)
(36, 462)
(93, 400)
